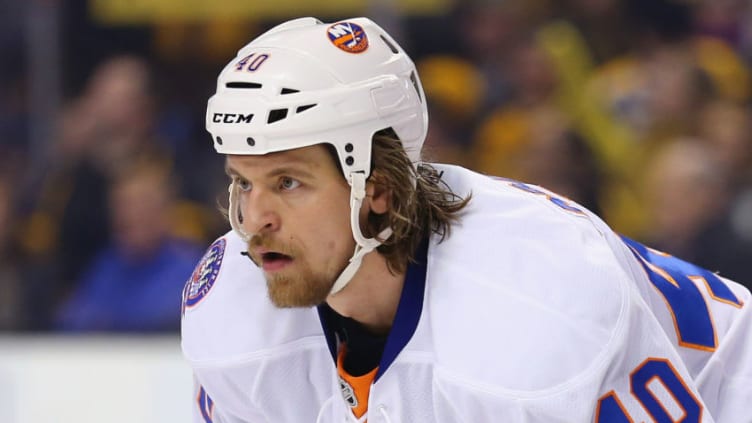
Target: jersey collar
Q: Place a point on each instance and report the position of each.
(406, 319)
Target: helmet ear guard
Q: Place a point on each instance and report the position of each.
(303, 83)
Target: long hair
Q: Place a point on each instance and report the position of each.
(421, 202)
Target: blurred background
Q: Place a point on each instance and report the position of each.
(110, 188)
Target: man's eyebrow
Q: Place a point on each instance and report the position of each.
(287, 170)
(283, 170)
(229, 171)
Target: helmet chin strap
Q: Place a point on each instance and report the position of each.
(234, 212)
(363, 245)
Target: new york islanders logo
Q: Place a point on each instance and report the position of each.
(348, 36)
(204, 275)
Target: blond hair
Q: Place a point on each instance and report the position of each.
(421, 202)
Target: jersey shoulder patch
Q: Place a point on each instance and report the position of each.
(204, 275)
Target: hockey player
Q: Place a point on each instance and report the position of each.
(360, 283)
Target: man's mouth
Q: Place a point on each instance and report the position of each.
(272, 261)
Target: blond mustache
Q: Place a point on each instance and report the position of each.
(258, 241)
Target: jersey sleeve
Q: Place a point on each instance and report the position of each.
(707, 318)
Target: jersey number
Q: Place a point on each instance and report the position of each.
(205, 406)
(677, 281)
(562, 203)
(653, 373)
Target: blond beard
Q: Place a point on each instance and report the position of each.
(292, 288)
(304, 290)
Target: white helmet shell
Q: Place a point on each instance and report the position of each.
(305, 82)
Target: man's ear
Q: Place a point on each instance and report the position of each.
(379, 197)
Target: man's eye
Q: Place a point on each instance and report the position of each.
(243, 184)
(288, 183)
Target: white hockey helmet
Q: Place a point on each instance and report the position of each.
(304, 82)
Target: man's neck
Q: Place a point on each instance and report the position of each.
(372, 296)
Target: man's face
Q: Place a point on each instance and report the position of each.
(295, 206)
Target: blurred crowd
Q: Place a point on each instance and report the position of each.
(637, 109)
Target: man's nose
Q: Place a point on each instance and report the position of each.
(259, 214)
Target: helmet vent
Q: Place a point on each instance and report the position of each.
(304, 108)
(245, 85)
(389, 44)
(289, 91)
(414, 80)
(276, 115)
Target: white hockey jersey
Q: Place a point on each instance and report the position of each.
(532, 311)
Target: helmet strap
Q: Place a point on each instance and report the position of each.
(234, 211)
(363, 245)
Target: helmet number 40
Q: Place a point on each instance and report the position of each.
(252, 62)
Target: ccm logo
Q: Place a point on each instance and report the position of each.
(232, 118)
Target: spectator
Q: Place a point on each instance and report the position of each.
(111, 122)
(687, 199)
(134, 284)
